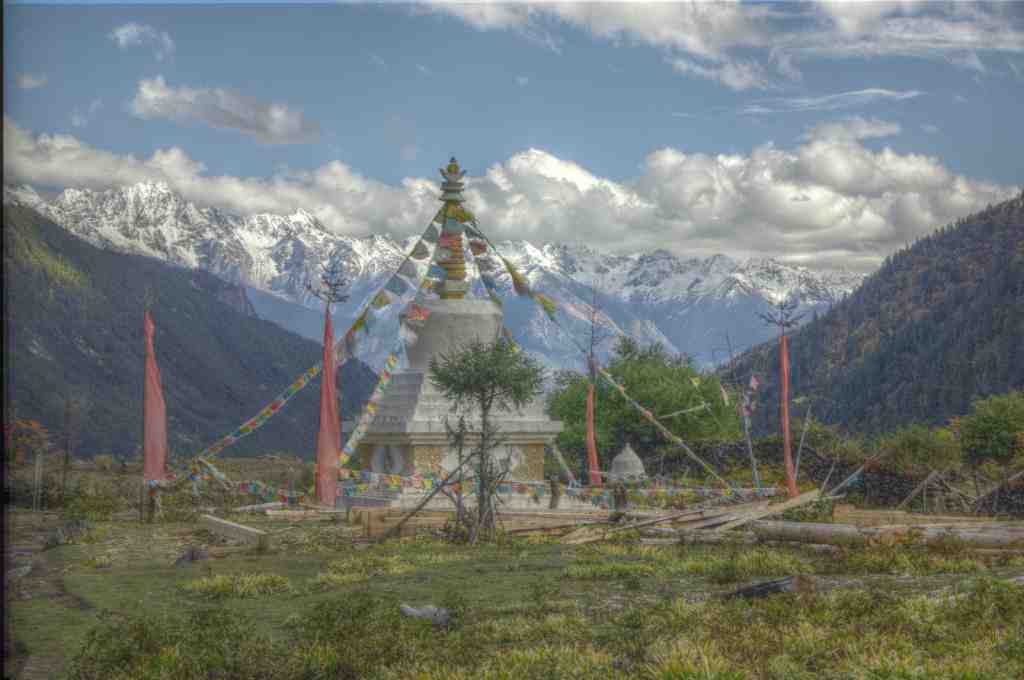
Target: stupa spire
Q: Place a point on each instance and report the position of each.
(453, 218)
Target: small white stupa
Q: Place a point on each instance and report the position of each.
(627, 466)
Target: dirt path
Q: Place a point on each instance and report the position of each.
(27, 534)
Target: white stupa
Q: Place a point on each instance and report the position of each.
(407, 433)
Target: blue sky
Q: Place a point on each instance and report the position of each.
(842, 129)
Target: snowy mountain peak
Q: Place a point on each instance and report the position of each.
(684, 303)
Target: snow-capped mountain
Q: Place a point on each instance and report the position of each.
(696, 306)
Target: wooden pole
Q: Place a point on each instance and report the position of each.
(592, 464)
(37, 496)
(800, 448)
(750, 447)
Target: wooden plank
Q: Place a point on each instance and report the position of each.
(802, 499)
(296, 515)
(236, 531)
(259, 507)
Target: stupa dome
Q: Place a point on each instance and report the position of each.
(626, 466)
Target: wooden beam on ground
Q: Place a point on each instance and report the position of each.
(297, 515)
(260, 507)
(845, 534)
(222, 527)
(588, 535)
(802, 499)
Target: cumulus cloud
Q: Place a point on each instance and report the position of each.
(143, 35)
(28, 81)
(731, 33)
(853, 128)
(270, 123)
(829, 102)
(826, 202)
(81, 117)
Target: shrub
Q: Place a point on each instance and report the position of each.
(994, 430)
(204, 643)
(104, 462)
(918, 450)
(92, 499)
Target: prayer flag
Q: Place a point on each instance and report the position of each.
(420, 251)
(397, 286)
(154, 413)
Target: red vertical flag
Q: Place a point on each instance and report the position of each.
(328, 440)
(784, 407)
(154, 414)
(595, 475)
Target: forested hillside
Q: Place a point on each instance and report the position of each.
(73, 326)
(940, 324)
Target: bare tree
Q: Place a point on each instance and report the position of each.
(744, 407)
(332, 283)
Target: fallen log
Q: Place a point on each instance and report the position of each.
(800, 583)
(845, 534)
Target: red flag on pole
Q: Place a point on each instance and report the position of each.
(595, 475)
(154, 414)
(328, 440)
(784, 414)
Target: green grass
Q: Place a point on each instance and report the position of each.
(523, 610)
(237, 585)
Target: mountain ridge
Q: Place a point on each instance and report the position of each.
(656, 296)
(73, 326)
(940, 324)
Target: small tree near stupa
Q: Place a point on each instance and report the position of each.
(480, 378)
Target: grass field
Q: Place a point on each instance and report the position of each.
(322, 605)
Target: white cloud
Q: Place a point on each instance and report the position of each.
(81, 117)
(853, 128)
(270, 123)
(829, 102)
(377, 59)
(827, 202)
(930, 129)
(969, 61)
(722, 33)
(134, 35)
(28, 81)
(522, 81)
(736, 75)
